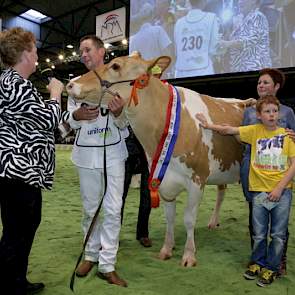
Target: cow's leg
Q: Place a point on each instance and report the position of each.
(190, 215)
(214, 220)
(170, 212)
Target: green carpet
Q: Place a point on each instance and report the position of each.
(222, 254)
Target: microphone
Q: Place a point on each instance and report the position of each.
(47, 74)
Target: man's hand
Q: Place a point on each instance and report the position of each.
(85, 113)
(116, 105)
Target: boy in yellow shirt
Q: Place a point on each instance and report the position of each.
(271, 172)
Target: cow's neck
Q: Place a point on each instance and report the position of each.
(147, 119)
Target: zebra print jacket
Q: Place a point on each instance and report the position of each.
(27, 127)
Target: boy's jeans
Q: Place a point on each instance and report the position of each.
(277, 214)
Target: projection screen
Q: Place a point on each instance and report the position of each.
(208, 37)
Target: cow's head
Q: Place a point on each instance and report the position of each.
(99, 86)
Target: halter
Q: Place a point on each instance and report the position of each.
(138, 83)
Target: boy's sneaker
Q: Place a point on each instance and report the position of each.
(252, 272)
(266, 277)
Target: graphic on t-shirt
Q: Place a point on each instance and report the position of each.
(269, 154)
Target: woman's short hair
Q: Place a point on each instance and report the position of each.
(96, 41)
(268, 99)
(276, 75)
(13, 43)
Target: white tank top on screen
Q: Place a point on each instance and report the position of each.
(192, 35)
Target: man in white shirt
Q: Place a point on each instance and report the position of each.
(97, 134)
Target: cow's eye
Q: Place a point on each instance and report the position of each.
(115, 67)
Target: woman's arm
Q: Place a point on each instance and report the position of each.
(29, 107)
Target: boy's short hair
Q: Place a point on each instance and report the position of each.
(268, 99)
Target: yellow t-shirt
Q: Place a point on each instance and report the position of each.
(270, 151)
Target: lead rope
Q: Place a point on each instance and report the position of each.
(139, 83)
(93, 221)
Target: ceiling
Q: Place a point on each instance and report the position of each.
(70, 20)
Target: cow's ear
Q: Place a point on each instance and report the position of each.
(163, 62)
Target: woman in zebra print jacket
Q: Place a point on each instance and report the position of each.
(27, 125)
(249, 43)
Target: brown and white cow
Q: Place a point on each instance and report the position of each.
(200, 156)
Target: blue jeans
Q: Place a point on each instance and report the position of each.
(277, 215)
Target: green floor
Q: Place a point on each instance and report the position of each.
(222, 254)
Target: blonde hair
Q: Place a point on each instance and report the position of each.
(13, 43)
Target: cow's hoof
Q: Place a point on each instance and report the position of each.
(213, 224)
(188, 262)
(165, 254)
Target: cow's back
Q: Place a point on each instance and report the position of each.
(211, 157)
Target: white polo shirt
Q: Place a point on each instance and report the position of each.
(88, 149)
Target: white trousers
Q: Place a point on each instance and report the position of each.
(103, 242)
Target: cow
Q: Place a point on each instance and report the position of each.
(199, 157)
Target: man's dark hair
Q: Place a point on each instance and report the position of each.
(96, 41)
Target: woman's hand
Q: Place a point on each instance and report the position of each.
(55, 87)
(291, 134)
(226, 44)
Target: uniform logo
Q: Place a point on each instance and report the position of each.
(100, 132)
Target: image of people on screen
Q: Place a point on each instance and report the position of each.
(249, 44)
(196, 36)
(207, 37)
(150, 40)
